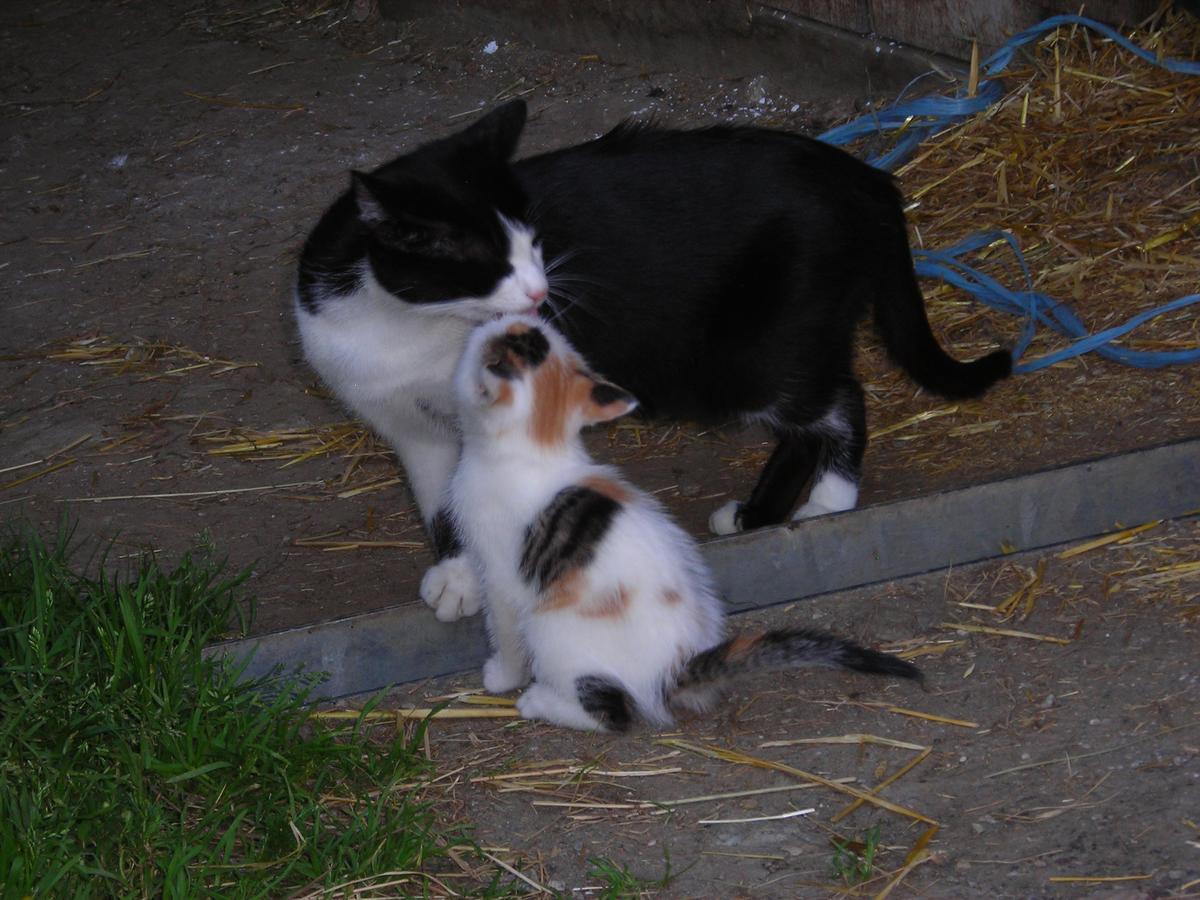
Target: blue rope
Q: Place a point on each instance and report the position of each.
(919, 119)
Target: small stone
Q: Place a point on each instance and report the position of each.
(962, 866)
(757, 89)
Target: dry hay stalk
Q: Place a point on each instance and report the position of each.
(735, 756)
(139, 355)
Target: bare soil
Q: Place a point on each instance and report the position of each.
(1078, 759)
(161, 166)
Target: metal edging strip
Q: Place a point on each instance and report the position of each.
(774, 565)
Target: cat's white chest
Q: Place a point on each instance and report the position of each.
(378, 356)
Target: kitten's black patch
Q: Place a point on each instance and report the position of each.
(606, 701)
(509, 353)
(444, 536)
(498, 362)
(565, 534)
(604, 393)
(530, 346)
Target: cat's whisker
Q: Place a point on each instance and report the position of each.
(573, 300)
(560, 260)
(553, 307)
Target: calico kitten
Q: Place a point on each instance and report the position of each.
(715, 273)
(591, 589)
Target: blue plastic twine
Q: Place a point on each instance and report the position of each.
(927, 115)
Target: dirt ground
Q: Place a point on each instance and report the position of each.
(160, 165)
(1078, 759)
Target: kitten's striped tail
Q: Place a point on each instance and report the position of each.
(783, 648)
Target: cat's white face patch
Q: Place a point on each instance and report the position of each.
(523, 289)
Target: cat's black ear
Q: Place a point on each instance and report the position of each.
(497, 133)
(607, 402)
(369, 192)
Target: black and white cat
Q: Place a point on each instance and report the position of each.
(714, 273)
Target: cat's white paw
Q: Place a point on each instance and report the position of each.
(724, 519)
(452, 589)
(501, 675)
(811, 510)
(831, 494)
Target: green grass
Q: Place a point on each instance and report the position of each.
(854, 861)
(132, 766)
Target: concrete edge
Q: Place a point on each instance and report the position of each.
(776, 565)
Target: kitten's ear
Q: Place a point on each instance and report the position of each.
(497, 133)
(368, 196)
(607, 402)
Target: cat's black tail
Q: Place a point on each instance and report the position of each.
(900, 317)
(784, 648)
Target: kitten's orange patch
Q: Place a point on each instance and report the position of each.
(504, 395)
(610, 605)
(741, 646)
(518, 328)
(672, 598)
(558, 389)
(563, 593)
(613, 490)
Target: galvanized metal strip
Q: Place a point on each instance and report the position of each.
(909, 537)
(775, 565)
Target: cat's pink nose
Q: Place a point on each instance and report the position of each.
(537, 296)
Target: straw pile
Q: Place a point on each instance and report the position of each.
(1091, 162)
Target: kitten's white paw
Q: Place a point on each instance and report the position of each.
(532, 704)
(724, 519)
(452, 589)
(540, 702)
(501, 676)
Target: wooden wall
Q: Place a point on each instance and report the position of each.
(948, 26)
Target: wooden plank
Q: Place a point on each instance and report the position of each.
(949, 26)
